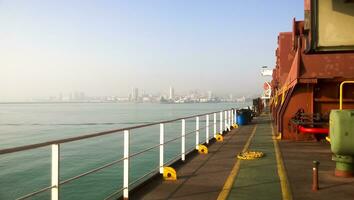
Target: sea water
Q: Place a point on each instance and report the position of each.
(23, 124)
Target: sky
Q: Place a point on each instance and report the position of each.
(106, 47)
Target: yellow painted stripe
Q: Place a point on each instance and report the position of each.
(231, 178)
(284, 182)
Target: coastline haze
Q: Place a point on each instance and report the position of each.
(105, 48)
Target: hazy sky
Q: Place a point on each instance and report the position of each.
(106, 47)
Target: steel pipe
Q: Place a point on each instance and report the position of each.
(306, 130)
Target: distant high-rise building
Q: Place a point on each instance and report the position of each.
(82, 96)
(76, 95)
(231, 97)
(172, 93)
(71, 96)
(210, 94)
(241, 99)
(60, 97)
(135, 94)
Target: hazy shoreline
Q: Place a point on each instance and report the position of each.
(70, 102)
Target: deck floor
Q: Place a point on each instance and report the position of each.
(204, 176)
(298, 158)
(258, 179)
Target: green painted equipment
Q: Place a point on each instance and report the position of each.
(342, 131)
(341, 124)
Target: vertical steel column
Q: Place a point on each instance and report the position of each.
(197, 133)
(207, 129)
(225, 114)
(214, 125)
(235, 116)
(183, 148)
(229, 115)
(227, 120)
(55, 171)
(126, 165)
(221, 128)
(232, 117)
(162, 138)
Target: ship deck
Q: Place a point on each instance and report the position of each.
(285, 172)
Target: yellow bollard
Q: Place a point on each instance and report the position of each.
(219, 138)
(169, 174)
(235, 125)
(202, 149)
(279, 137)
(328, 139)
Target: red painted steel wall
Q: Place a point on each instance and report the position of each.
(311, 80)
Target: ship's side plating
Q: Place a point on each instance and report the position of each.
(311, 63)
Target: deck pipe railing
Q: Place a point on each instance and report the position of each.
(226, 119)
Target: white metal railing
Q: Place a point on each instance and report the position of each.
(226, 119)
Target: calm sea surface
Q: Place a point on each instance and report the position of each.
(23, 124)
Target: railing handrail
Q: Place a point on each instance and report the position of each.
(56, 183)
(92, 135)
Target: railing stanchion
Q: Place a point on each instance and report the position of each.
(232, 117)
(214, 125)
(207, 129)
(229, 115)
(221, 128)
(162, 138)
(197, 133)
(225, 118)
(126, 165)
(55, 171)
(235, 116)
(183, 148)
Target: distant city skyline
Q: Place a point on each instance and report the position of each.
(133, 95)
(103, 48)
(139, 95)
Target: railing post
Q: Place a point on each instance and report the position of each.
(183, 148)
(55, 171)
(162, 138)
(214, 125)
(235, 116)
(126, 166)
(197, 133)
(221, 128)
(225, 114)
(207, 129)
(229, 117)
(232, 117)
(227, 120)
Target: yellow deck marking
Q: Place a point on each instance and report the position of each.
(284, 182)
(231, 178)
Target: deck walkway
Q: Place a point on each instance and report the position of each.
(258, 179)
(219, 175)
(298, 158)
(202, 176)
